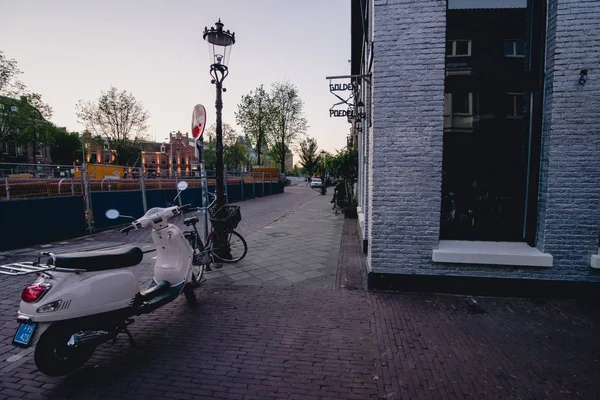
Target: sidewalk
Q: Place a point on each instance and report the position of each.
(325, 337)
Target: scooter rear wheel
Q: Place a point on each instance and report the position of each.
(190, 296)
(54, 357)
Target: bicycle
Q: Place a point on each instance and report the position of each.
(234, 249)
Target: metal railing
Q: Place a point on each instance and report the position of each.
(21, 181)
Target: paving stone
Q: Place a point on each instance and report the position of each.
(240, 276)
(296, 277)
(284, 272)
(312, 274)
(252, 281)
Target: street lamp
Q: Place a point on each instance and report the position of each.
(219, 46)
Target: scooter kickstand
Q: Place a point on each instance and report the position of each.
(131, 341)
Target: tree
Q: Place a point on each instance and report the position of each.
(66, 147)
(255, 116)
(289, 123)
(344, 166)
(235, 154)
(309, 158)
(10, 86)
(117, 116)
(29, 123)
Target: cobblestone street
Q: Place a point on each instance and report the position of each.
(293, 321)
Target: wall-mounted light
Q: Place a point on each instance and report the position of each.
(360, 108)
(583, 76)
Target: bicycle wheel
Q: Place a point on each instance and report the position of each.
(237, 248)
(201, 260)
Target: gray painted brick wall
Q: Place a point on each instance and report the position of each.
(406, 142)
(569, 200)
(408, 85)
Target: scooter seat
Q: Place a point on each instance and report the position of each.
(101, 260)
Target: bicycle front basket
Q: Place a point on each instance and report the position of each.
(226, 218)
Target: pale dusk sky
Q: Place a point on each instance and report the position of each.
(70, 50)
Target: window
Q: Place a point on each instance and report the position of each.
(39, 151)
(19, 150)
(178, 150)
(458, 48)
(514, 105)
(462, 103)
(106, 158)
(183, 160)
(163, 161)
(490, 157)
(514, 48)
(174, 160)
(93, 157)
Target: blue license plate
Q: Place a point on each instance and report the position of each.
(24, 334)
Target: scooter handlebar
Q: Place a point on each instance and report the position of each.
(127, 229)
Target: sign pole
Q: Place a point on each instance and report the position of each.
(200, 147)
(198, 125)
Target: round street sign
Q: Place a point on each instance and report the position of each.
(198, 121)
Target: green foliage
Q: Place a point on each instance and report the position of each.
(129, 155)
(309, 157)
(235, 153)
(66, 147)
(255, 114)
(289, 122)
(10, 86)
(344, 167)
(117, 116)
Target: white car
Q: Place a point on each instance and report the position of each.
(315, 182)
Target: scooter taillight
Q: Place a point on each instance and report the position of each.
(35, 292)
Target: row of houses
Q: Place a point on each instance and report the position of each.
(479, 147)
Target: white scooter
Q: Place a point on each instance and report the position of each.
(82, 300)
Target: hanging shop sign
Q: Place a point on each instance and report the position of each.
(341, 113)
(340, 87)
(351, 87)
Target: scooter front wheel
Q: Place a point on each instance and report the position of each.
(54, 357)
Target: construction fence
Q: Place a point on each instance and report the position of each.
(44, 203)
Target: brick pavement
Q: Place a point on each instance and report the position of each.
(308, 342)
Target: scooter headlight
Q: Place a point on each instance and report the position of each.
(50, 307)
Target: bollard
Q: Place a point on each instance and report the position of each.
(7, 188)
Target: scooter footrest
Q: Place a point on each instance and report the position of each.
(155, 290)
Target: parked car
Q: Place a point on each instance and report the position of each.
(316, 182)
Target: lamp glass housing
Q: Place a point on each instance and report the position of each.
(219, 44)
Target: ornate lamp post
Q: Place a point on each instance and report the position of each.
(219, 45)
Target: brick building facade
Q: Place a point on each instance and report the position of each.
(409, 50)
(157, 159)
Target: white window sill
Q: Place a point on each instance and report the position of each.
(491, 253)
(595, 263)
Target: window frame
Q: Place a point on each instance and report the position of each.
(461, 114)
(469, 46)
(514, 96)
(514, 48)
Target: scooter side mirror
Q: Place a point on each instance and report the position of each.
(112, 213)
(182, 186)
